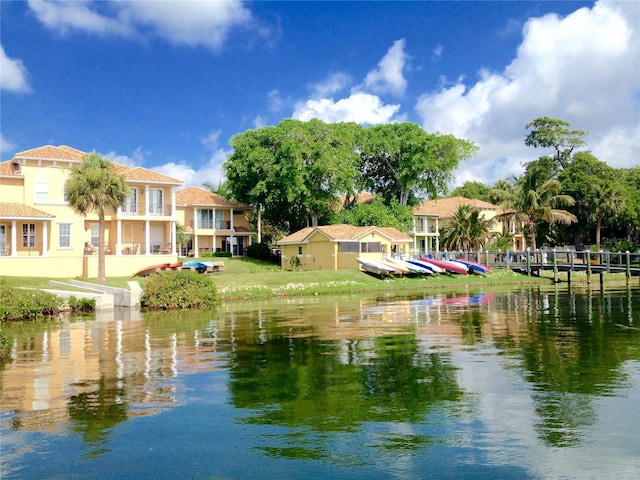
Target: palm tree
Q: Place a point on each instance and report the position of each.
(607, 201)
(93, 186)
(466, 230)
(536, 199)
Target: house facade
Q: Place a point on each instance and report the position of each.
(42, 236)
(336, 247)
(214, 223)
(429, 216)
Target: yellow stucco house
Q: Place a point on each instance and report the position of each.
(336, 247)
(41, 235)
(213, 222)
(429, 216)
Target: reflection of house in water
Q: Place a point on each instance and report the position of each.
(57, 365)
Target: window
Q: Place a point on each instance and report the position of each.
(155, 201)
(205, 218)
(64, 235)
(299, 250)
(349, 247)
(29, 235)
(131, 203)
(370, 247)
(219, 219)
(41, 191)
(95, 235)
(419, 224)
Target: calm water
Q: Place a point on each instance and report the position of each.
(531, 383)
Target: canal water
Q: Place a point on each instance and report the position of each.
(524, 383)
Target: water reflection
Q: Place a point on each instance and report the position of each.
(356, 382)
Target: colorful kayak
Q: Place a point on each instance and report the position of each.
(452, 267)
(413, 268)
(377, 268)
(471, 264)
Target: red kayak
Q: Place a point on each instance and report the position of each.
(453, 267)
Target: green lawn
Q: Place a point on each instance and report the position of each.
(247, 278)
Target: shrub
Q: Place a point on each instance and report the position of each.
(81, 304)
(261, 251)
(216, 254)
(178, 289)
(625, 246)
(18, 303)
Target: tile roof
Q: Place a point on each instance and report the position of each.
(199, 196)
(343, 232)
(50, 152)
(21, 211)
(446, 207)
(6, 168)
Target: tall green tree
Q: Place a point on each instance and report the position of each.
(535, 199)
(466, 230)
(294, 171)
(554, 133)
(94, 187)
(474, 190)
(401, 160)
(377, 213)
(591, 184)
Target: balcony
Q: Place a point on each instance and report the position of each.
(156, 210)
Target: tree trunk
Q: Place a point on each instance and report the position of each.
(598, 227)
(101, 253)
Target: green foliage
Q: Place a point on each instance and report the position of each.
(259, 250)
(473, 190)
(296, 263)
(402, 161)
(500, 242)
(18, 303)
(81, 304)
(217, 254)
(293, 171)
(466, 230)
(178, 289)
(94, 186)
(376, 213)
(626, 246)
(553, 133)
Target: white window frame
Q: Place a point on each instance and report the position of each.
(29, 235)
(131, 203)
(62, 236)
(156, 201)
(94, 228)
(206, 223)
(41, 191)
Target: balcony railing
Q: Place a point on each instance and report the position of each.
(140, 210)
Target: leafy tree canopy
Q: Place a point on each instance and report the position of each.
(401, 160)
(473, 190)
(378, 213)
(553, 133)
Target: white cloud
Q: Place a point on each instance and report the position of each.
(334, 83)
(388, 77)
(190, 23)
(5, 144)
(361, 108)
(275, 101)
(183, 23)
(64, 17)
(437, 52)
(136, 159)
(583, 68)
(13, 74)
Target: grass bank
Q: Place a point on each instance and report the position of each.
(246, 278)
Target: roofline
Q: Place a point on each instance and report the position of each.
(47, 219)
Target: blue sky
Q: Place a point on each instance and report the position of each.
(165, 84)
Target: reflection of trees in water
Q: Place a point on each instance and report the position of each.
(336, 386)
(95, 412)
(571, 348)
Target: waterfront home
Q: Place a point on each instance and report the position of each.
(336, 247)
(213, 222)
(42, 236)
(430, 216)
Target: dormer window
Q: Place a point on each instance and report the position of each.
(16, 167)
